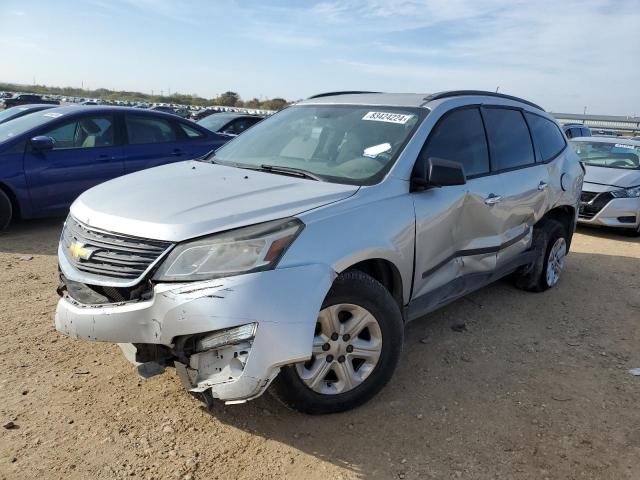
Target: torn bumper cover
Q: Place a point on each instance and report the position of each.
(283, 303)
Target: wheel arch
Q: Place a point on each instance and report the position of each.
(566, 215)
(385, 272)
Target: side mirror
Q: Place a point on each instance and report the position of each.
(42, 143)
(437, 172)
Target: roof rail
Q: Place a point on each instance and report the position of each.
(459, 93)
(346, 92)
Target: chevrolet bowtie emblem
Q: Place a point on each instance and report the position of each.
(79, 252)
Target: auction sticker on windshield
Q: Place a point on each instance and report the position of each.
(387, 117)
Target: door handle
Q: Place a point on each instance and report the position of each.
(542, 185)
(492, 199)
(105, 158)
(177, 152)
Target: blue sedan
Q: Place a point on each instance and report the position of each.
(50, 157)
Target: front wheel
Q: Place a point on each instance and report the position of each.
(6, 211)
(356, 347)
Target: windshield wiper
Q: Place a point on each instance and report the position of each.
(297, 172)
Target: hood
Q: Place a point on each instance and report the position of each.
(615, 177)
(184, 200)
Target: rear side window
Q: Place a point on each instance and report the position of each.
(509, 139)
(460, 137)
(144, 129)
(547, 136)
(190, 132)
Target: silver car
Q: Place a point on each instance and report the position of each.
(295, 255)
(611, 192)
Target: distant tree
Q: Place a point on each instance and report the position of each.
(253, 103)
(274, 104)
(228, 99)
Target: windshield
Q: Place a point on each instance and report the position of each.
(216, 121)
(608, 154)
(20, 125)
(11, 112)
(340, 143)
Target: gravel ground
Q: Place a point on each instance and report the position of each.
(536, 386)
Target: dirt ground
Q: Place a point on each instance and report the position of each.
(536, 387)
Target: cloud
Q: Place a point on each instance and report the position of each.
(16, 13)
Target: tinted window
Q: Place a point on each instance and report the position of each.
(547, 136)
(144, 129)
(240, 125)
(86, 132)
(586, 132)
(460, 137)
(509, 139)
(190, 132)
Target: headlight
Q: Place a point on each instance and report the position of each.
(631, 192)
(248, 249)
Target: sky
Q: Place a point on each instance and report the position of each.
(562, 54)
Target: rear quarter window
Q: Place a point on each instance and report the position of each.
(547, 136)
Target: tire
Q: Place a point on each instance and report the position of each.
(6, 211)
(352, 296)
(550, 242)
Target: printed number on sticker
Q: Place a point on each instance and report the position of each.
(387, 117)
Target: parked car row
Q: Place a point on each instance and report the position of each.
(293, 256)
(194, 112)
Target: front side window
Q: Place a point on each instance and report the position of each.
(608, 154)
(147, 129)
(352, 144)
(460, 137)
(546, 136)
(509, 139)
(86, 132)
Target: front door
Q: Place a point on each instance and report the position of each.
(85, 154)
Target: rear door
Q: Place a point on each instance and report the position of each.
(523, 181)
(152, 140)
(458, 228)
(87, 152)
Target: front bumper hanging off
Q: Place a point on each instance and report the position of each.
(283, 302)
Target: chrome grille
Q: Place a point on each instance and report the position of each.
(592, 202)
(109, 254)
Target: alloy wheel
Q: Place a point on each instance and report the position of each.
(346, 348)
(555, 262)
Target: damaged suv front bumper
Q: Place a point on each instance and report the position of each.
(284, 303)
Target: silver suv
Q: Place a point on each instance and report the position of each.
(295, 255)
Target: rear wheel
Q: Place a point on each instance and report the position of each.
(6, 211)
(550, 243)
(356, 347)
